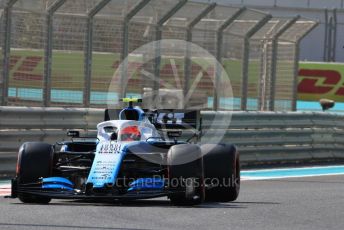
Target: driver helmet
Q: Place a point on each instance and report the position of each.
(130, 133)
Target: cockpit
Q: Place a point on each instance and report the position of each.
(130, 133)
(126, 130)
(132, 125)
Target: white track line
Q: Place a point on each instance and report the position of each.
(282, 173)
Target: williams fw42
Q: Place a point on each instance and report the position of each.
(137, 154)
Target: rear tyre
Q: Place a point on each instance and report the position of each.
(35, 161)
(222, 172)
(185, 172)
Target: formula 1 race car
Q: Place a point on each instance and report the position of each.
(137, 156)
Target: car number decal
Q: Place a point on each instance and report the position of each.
(106, 164)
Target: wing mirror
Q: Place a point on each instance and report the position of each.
(73, 133)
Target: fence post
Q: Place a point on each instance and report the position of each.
(330, 39)
(262, 76)
(125, 42)
(326, 37)
(6, 49)
(296, 75)
(219, 44)
(246, 56)
(48, 52)
(158, 36)
(88, 51)
(274, 57)
(187, 59)
(296, 65)
(334, 43)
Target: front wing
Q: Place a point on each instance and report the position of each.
(64, 193)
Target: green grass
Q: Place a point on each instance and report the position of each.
(68, 70)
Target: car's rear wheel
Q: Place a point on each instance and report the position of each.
(185, 170)
(222, 172)
(35, 161)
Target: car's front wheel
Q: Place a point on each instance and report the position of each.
(35, 161)
(185, 169)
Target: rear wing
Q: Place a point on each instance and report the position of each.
(166, 118)
(176, 119)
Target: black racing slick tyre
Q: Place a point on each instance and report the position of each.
(35, 161)
(185, 173)
(221, 172)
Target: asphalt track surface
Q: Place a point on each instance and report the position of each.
(294, 203)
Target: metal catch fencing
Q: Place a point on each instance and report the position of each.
(65, 52)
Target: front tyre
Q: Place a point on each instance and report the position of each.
(185, 172)
(35, 161)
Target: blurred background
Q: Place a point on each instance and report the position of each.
(279, 55)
